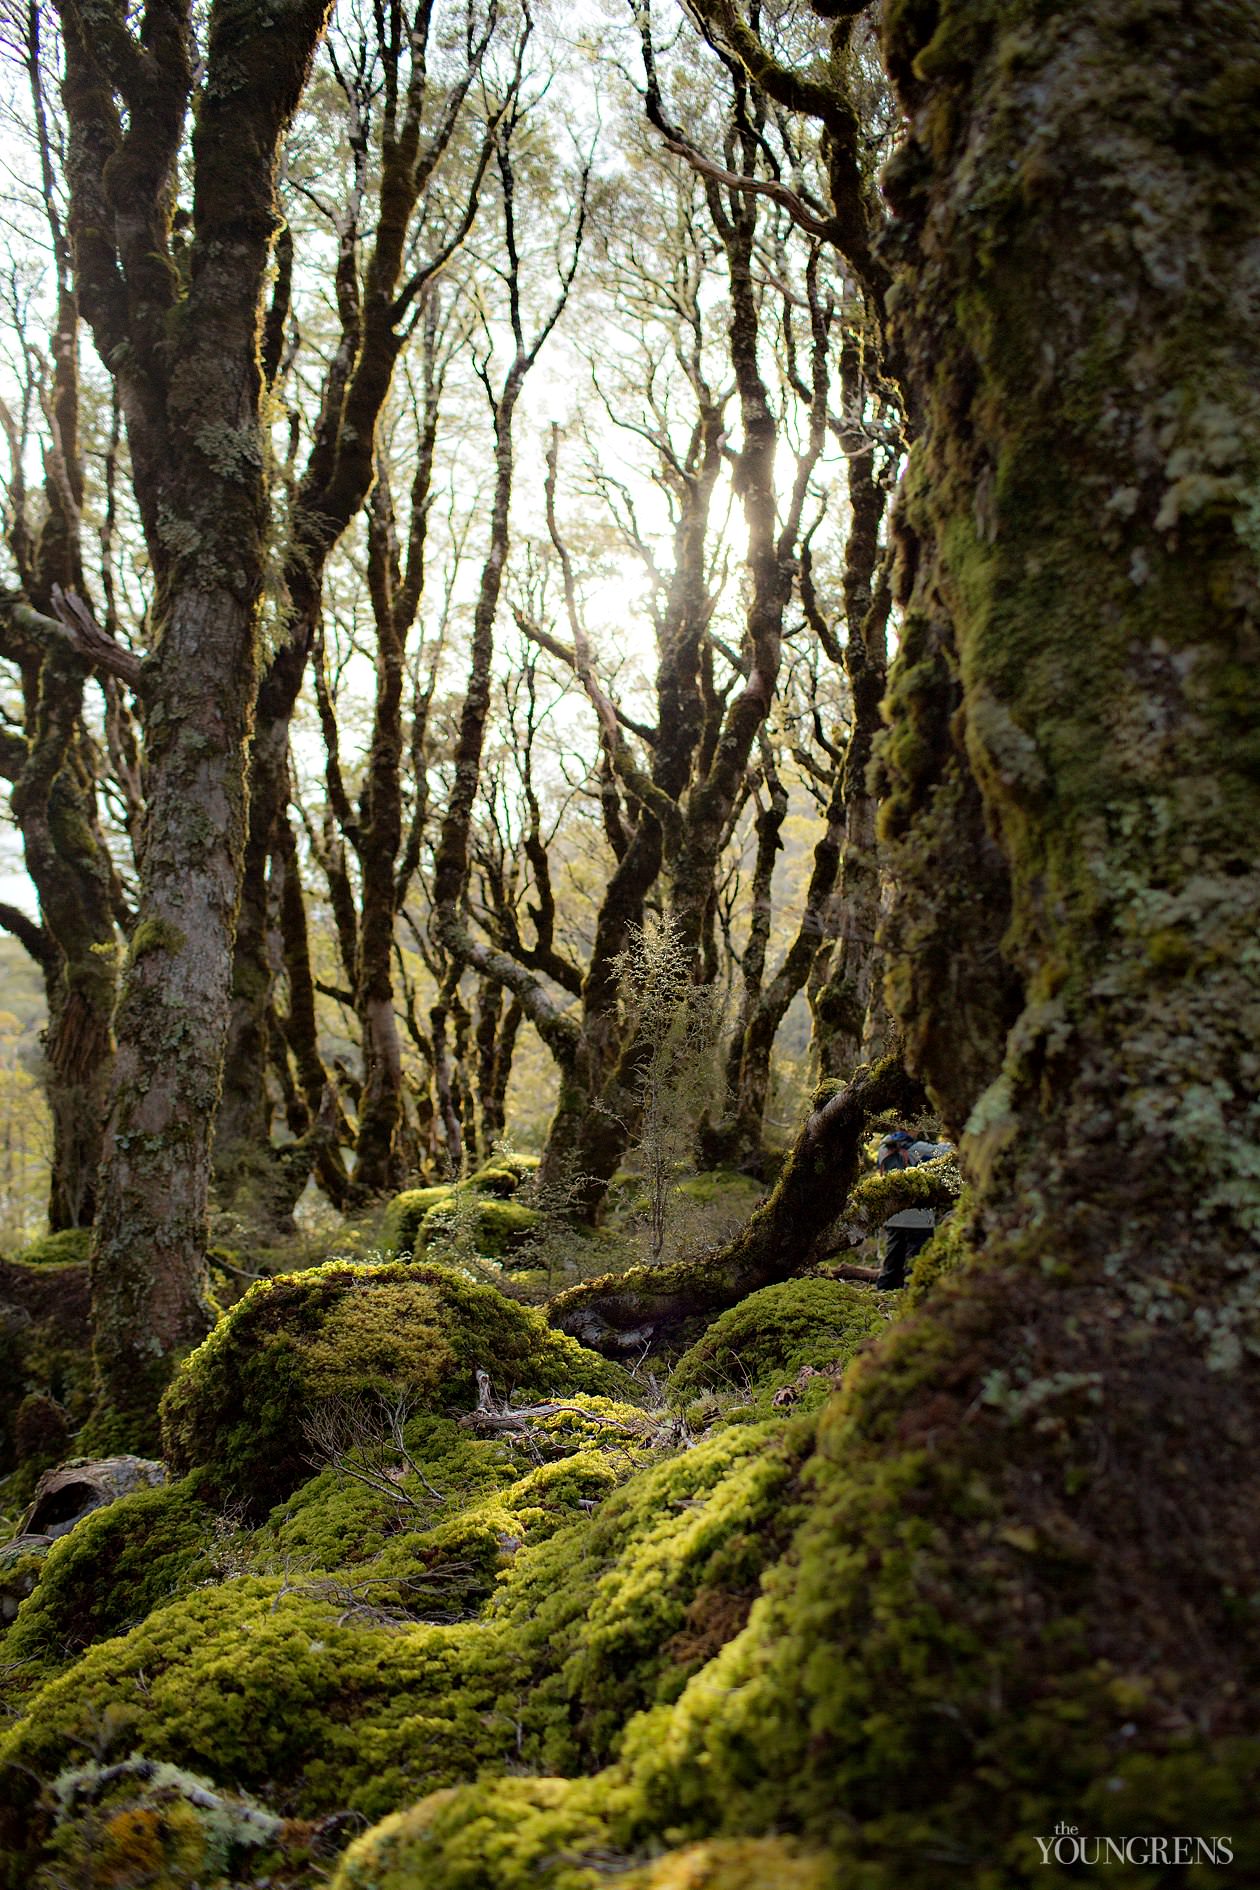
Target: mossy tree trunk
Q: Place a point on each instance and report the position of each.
(185, 353)
(1016, 1598)
(655, 1304)
(1036, 1503)
(53, 767)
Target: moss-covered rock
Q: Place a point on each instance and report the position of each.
(356, 1660)
(511, 1835)
(521, 1834)
(138, 1823)
(242, 1403)
(71, 1244)
(115, 1567)
(498, 1229)
(480, 1210)
(277, 1684)
(773, 1337)
(400, 1228)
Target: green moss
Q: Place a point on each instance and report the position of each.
(71, 1243)
(155, 935)
(335, 1521)
(265, 1679)
(628, 1606)
(764, 1343)
(520, 1615)
(112, 1570)
(421, 1218)
(947, 1252)
(400, 1229)
(722, 1187)
(512, 1835)
(499, 1228)
(523, 1834)
(241, 1404)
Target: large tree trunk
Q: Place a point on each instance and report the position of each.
(1017, 1599)
(189, 373)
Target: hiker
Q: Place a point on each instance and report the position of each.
(908, 1232)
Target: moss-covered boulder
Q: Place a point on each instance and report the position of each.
(242, 1404)
(350, 1656)
(504, 1836)
(405, 1215)
(774, 1340)
(496, 1229)
(480, 1211)
(138, 1823)
(53, 1250)
(548, 1831)
(115, 1567)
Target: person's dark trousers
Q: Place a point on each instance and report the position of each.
(903, 1244)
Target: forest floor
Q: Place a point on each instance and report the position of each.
(403, 1536)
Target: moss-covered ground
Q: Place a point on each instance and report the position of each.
(375, 1576)
(435, 1597)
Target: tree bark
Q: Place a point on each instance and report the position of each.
(740, 1139)
(376, 302)
(53, 773)
(188, 370)
(846, 992)
(1009, 1522)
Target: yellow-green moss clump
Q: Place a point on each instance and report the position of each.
(357, 1653)
(630, 1606)
(499, 1226)
(545, 1830)
(769, 1340)
(58, 1249)
(242, 1404)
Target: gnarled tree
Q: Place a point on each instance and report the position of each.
(178, 325)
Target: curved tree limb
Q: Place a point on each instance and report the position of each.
(74, 625)
(30, 935)
(622, 1313)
